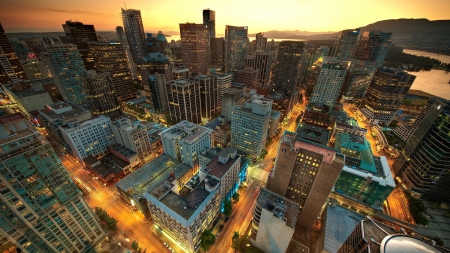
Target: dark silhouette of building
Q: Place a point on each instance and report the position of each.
(80, 34)
(209, 19)
(10, 67)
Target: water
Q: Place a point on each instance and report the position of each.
(442, 57)
(433, 81)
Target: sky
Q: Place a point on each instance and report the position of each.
(258, 15)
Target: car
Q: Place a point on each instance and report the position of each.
(220, 228)
(171, 250)
(227, 218)
(166, 245)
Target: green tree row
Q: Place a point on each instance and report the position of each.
(107, 220)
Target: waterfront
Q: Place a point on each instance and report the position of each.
(441, 57)
(432, 81)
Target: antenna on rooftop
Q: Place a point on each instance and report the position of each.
(125, 5)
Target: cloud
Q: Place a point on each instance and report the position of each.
(23, 7)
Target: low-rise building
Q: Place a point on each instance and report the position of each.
(221, 131)
(348, 125)
(28, 98)
(312, 133)
(108, 169)
(316, 115)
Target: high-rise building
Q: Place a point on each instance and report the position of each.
(223, 84)
(263, 62)
(134, 31)
(345, 45)
(385, 94)
(10, 68)
(208, 96)
(80, 34)
(66, 66)
(250, 125)
(209, 19)
(100, 94)
(111, 57)
(359, 75)
(35, 69)
(330, 78)
(195, 47)
(123, 40)
(158, 92)
(261, 42)
(43, 202)
(236, 48)
(305, 173)
(249, 77)
(184, 100)
(423, 163)
(217, 53)
(159, 65)
(373, 46)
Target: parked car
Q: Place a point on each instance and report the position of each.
(166, 245)
(171, 250)
(227, 218)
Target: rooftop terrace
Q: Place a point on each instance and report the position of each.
(281, 207)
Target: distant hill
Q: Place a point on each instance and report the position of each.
(411, 26)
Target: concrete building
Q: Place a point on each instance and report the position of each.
(185, 140)
(43, 202)
(59, 114)
(249, 77)
(134, 32)
(123, 40)
(100, 94)
(35, 69)
(217, 53)
(109, 168)
(250, 125)
(312, 134)
(348, 125)
(385, 94)
(28, 98)
(184, 100)
(231, 98)
(261, 60)
(80, 34)
(221, 134)
(89, 138)
(316, 115)
(66, 65)
(208, 96)
(111, 57)
(158, 92)
(195, 41)
(305, 173)
(236, 48)
(329, 81)
(10, 67)
(345, 45)
(181, 73)
(280, 103)
(275, 119)
(373, 46)
(223, 84)
(134, 136)
(49, 85)
(209, 20)
(274, 220)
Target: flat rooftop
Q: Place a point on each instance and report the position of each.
(76, 110)
(123, 150)
(211, 153)
(312, 133)
(281, 207)
(218, 169)
(151, 175)
(328, 153)
(108, 166)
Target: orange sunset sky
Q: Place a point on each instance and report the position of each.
(258, 15)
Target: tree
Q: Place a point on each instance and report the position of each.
(439, 241)
(109, 221)
(235, 197)
(235, 240)
(207, 239)
(135, 247)
(227, 207)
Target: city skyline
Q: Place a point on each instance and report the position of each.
(265, 17)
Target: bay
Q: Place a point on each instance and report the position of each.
(435, 82)
(442, 57)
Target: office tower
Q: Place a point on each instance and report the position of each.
(364, 178)
(329, 81)
(89, 138)
(155, 64)
(286, 69)
(122, 38)
(134, 31)
(35, 69)
(100, 94)
(10, 68)
(423, 165)
(345, 45)
(305, 173)
(385, 94)
(195, 46)
(263, 62)
(274, 220)
(249, 126)
(217, 52)
(377, 237)
(223, 84)
(236, 48)
(158, 92)
(280, 103)
(359, 75)
(60, 113)
(261, 42)
(66, 66)
(373, 46)
(208, 96)
(79, 34)
(249, 77)
(231, 98)
(184, 100)
(111, 57)
(181, 73)
(29, 97)
(134, 136)
(43, 202)
(209, 19)
(185, 140)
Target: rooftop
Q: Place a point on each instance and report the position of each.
(25, 92)
(312, 133)
(185, 131)
(106, 167)
(62, 110)
(282, 208)
(123, 150)
(84, 124)
(328, 153)
(219, 166)
(211, 153)
(151, 175)
(275, 115)
(155, 57)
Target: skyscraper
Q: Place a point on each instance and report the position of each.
(100, 94)
(79, 34)
(184, 100)
(195, 47)
(66, 66)
(209, 19)
(208, 96)
(134, 31)
(10, 68)
(248, 76)
(35, 69)
(123, 40)
(236, 48)
(249, 126)
(217, 52)
(385, 94)
(223, 84)
(329, 81)
(40, 202)
(345, 45)
(261, 60)
(305, 173)
(261, 42)
(111, 57)
(373, 46)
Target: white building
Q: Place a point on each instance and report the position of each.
(223, 84)
(89, 138)
(185, 140)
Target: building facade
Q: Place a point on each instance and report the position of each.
(80, 34)
(195, 45)
(184, 99)
(373, 46)
(209, 19)
(249, 77)
(345, 45)
(223, 84)
(10, 69)
(35, 69)
(134, 32)
(236, 48)
(208, 96)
